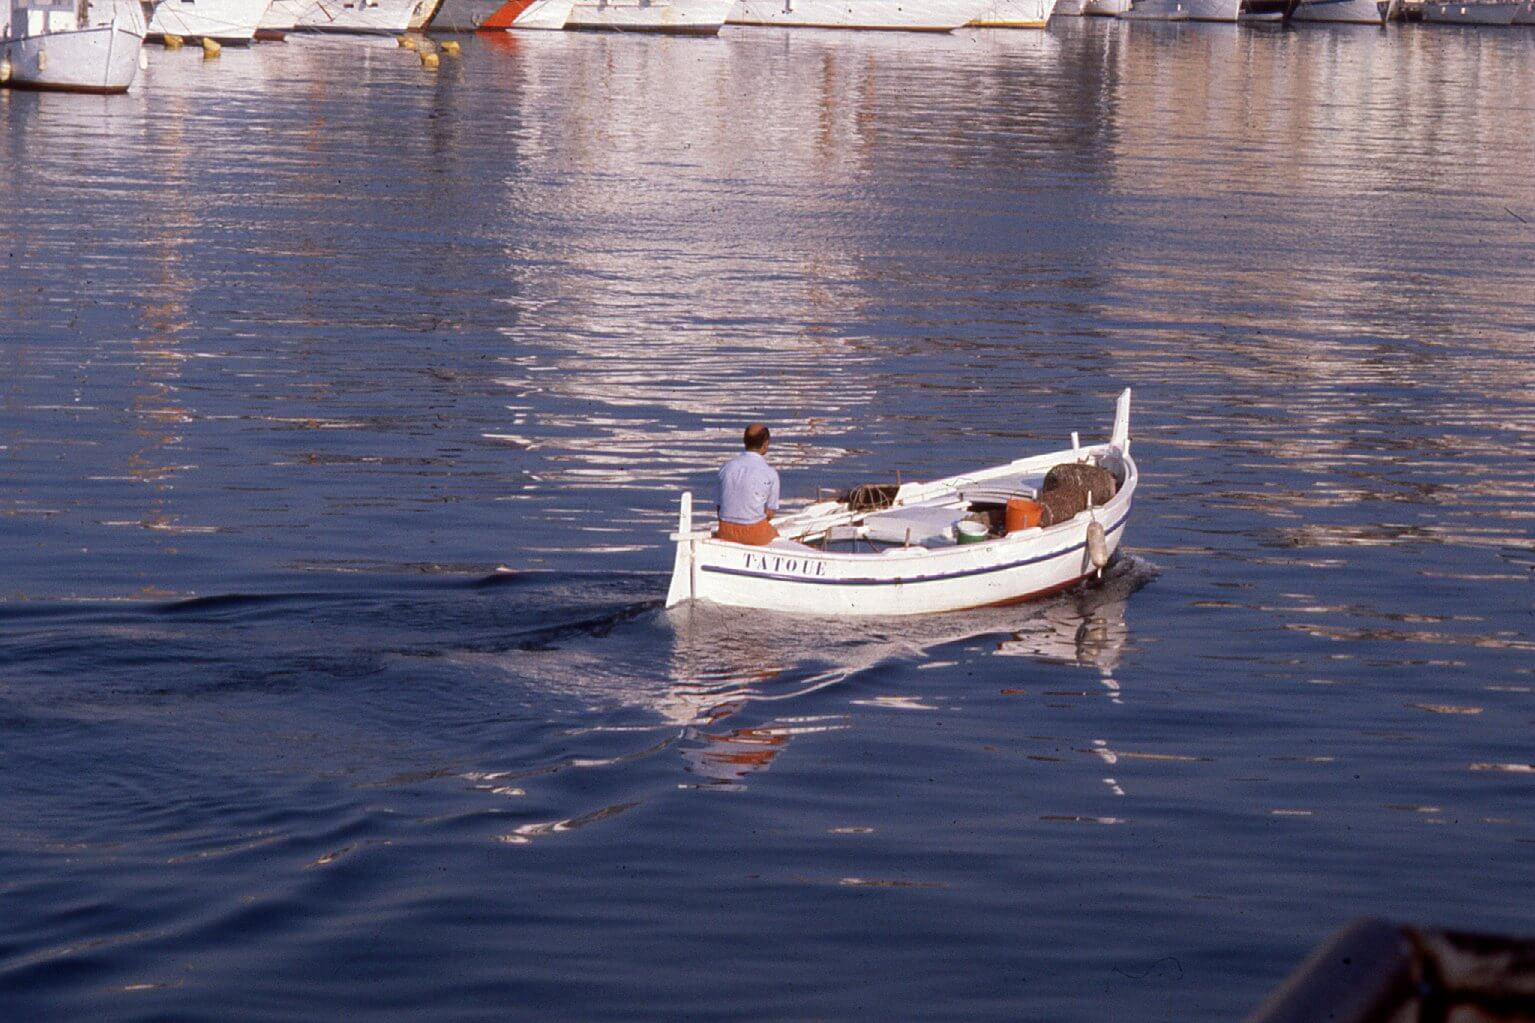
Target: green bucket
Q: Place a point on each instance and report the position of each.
(971, 532)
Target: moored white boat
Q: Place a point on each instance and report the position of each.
(1349, 12)
(794, 574)
(1015, 14)
(1157, 10)
(497, 15)
(1495, 13)
(903, 15)
(681, 17)
(223, 21)
(357, 17)
(71, 45)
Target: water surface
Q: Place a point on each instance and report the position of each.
(302, 345)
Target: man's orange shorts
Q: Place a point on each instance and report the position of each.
(758, 534)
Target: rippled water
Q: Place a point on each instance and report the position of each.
(302, 344)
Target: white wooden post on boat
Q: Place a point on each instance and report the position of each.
(684, 567)
(1121, 436)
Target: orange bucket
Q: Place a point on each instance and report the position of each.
(1022, 514)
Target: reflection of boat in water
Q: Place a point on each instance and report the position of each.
(496, 15)
(223, 21)
(71, 45)
(357, 17)
(907, 15)
(680, 17)
(943, 570)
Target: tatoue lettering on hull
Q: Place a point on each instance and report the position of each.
(937, 573)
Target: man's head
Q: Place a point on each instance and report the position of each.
(756, 438)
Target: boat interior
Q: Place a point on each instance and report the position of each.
(874, 519)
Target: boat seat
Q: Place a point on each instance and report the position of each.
(921, 524)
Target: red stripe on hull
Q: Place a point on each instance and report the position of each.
(506, 15)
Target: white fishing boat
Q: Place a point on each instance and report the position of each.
(924, 547)
(1348, 12)
(498, 15)
(357, 17)
(681, 17)
(1015, 14)
(224, 21)
(71, 45)
(901, 15)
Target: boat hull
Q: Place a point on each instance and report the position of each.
(357, 17)
(897, 15)
(51, 50)
(1157, 10)
(98, 58)
(422, 14)
(1069, 8)
(678, 17)
(1003, 571)
(1015, 14)
(1104, 8)
(499, 15)
(1525, 14)
(1493, 14)
(224, 21)
(1347, 12)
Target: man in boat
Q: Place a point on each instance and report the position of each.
(749, 492)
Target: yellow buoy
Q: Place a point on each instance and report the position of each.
(430, 61)
(172, 42)
(211, 49)
(406, 42)
(449, 47)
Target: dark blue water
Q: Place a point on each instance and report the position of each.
(345, 406)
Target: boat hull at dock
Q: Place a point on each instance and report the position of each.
(897, 15)
(676, 17)
(1015, 14)
(231, 22)
(1157, 10)
(95, 58)
(500, 15)
(1495, 14)
(357, 17)
(793, 575)
(1347, 12)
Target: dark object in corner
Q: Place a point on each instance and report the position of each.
(1377, 972)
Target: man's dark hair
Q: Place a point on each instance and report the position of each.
(756, 437)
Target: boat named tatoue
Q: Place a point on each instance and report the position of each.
(500, 15)
(1015, 14)
(899, 15)
(921, 548)
(71, 45)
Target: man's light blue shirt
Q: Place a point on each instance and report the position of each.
(748, 489)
